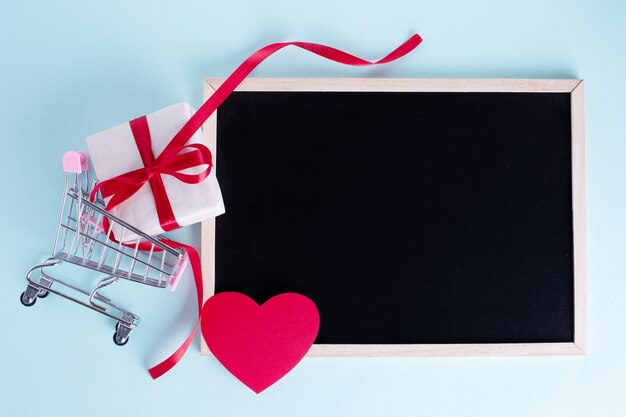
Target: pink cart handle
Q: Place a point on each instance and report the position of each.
(75, 162)
(182, 265)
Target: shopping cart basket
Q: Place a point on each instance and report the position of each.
(81, 239)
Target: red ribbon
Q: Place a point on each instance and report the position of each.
(194, 259)
(172, 160)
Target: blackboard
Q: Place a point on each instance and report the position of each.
(421, 216)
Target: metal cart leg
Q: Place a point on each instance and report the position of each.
(38, 288)
(43, 285)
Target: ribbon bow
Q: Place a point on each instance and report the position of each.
(172, 161)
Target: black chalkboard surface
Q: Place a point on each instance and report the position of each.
(410, 218)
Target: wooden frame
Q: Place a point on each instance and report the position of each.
(574, 87)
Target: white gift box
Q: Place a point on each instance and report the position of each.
(114, 152)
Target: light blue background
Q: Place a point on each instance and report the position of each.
(69, 69)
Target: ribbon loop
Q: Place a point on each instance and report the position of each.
(170, 162)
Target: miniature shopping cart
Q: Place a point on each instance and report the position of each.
(81, 239)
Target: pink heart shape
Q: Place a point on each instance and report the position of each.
(259, 344)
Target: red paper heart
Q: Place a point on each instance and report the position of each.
(259, 344)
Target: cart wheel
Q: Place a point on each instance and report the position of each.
(120, 340)
(43, 293)
(26, 300)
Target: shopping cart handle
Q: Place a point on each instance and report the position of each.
(75, 162)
